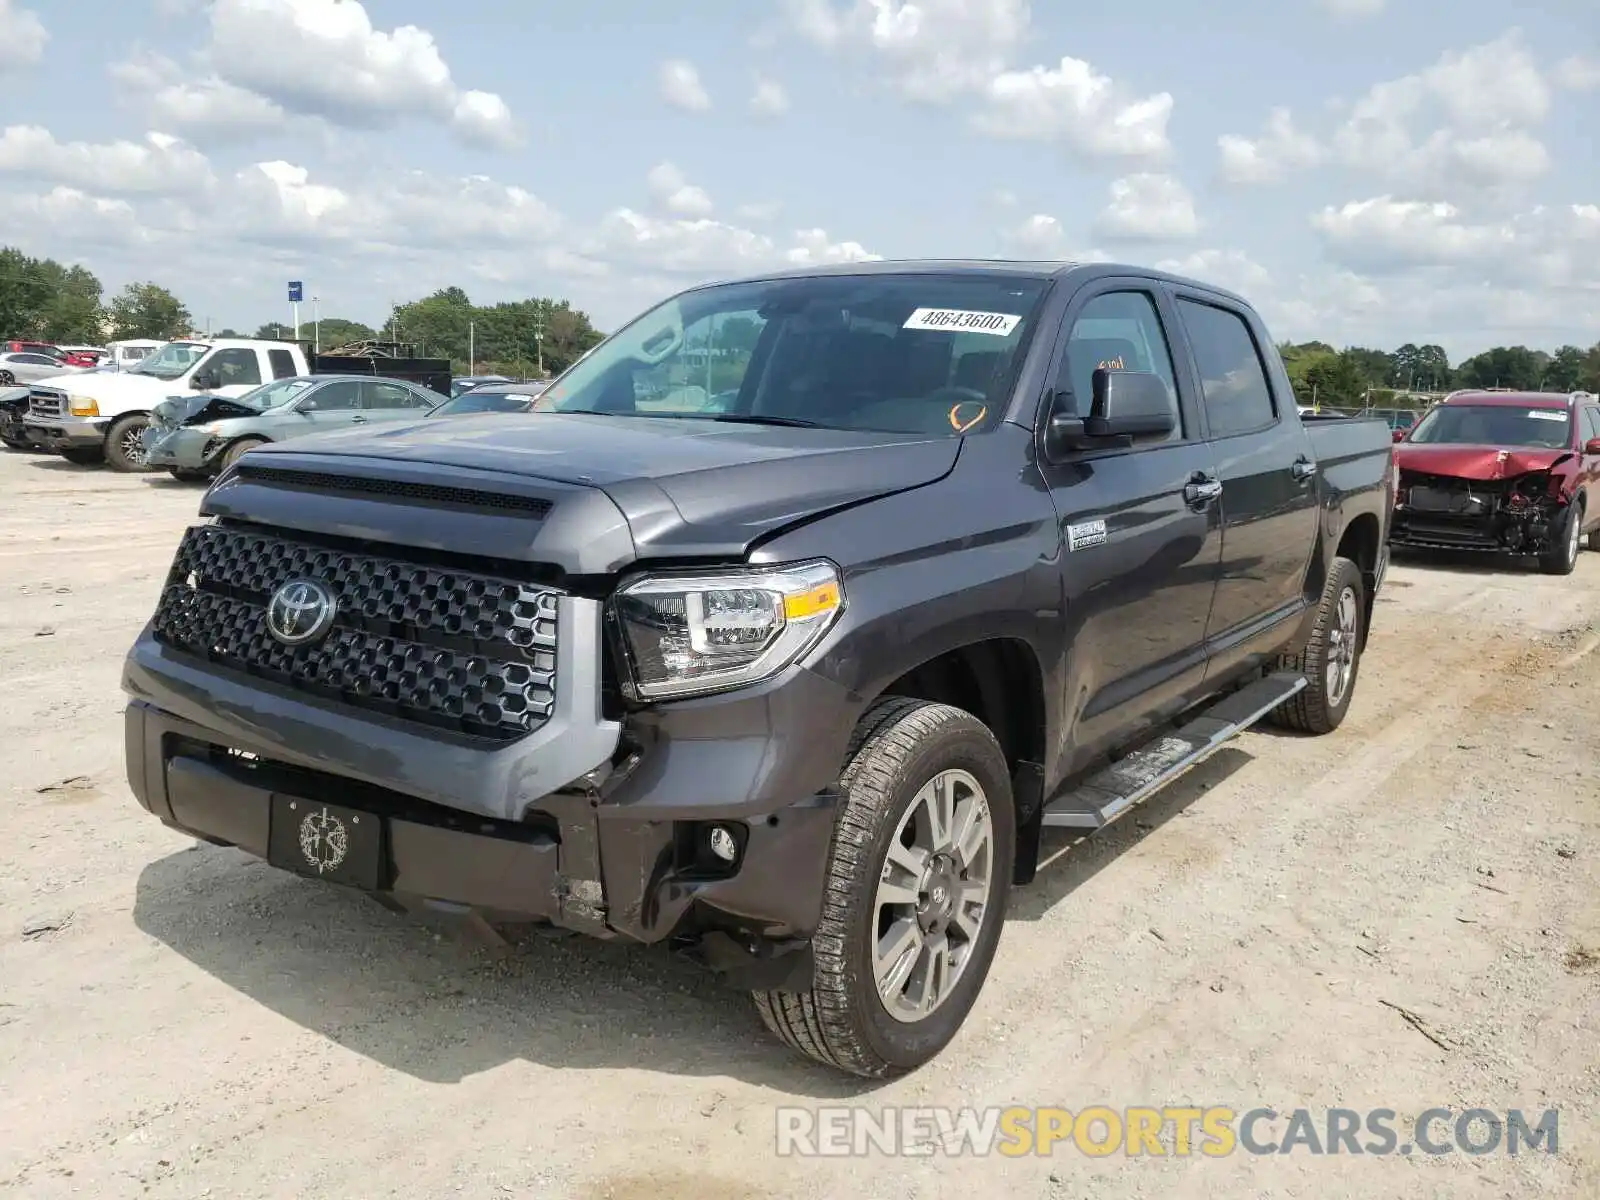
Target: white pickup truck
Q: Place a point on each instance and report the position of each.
(97, 416)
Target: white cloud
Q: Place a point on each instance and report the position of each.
(159, 164)
(1482, 104)
(327, 62)
(681, 87)
(769, 99)
(933, 50)
(759, 213)
(1549, 247)
(1281, 150)
(22, 36)
(705, 248)
(1229, 269)
(1353, 8)
(1578, 74)
(670, 189)
(1076, 106)
(1042, 236)
(947, 51)
(1148, 207)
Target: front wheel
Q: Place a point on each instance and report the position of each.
(239, 449)
(1331, 657)
(125, 451)
(7, 379)
(1562, 557)
(917, 884)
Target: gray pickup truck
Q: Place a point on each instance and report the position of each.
(781, 631)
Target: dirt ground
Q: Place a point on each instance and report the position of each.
(178, 1021)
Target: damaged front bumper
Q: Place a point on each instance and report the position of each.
(618, 847)
(1520, 515)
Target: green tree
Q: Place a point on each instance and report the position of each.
(145, 310)
(1374, 367)
(1505, 366)
(1564, 372)
(333, 332)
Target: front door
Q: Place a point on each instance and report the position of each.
(1140, 541)
(1269, 480)
(335, 405)
(236, 369)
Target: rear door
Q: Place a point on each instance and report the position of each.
(1589, 464)
(385, 400)
(1268, 473)
(1140, 535)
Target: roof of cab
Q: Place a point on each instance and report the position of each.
(1080, 272)
(1514, 399)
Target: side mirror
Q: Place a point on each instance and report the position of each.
(1399, 435)
(1124, 405)
(307, 405)
(1592, 446)
(1129, 404)
(203, 381)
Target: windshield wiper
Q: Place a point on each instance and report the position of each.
(760, 419)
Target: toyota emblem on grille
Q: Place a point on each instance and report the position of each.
(300, 611)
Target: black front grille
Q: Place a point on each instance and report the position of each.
(395, 489)
(455, 650)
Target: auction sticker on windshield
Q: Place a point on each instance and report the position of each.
(961, 321)
(1546, 414)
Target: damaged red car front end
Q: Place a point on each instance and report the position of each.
(1501, 494)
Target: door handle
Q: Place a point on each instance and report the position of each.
(1201, 490)
(1302, 469)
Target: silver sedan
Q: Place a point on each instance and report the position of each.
(23, 366)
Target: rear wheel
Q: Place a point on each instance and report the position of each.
(1331, 656)
(917, 884)
(1562, 557)
(7, 379)
(125, 450)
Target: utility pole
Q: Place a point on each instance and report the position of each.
(472, 347)
(538, 336)
(316, 325)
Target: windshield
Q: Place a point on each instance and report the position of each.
(275, 394)
(912, 353)
(1494, 425)
(478, 400)
(171, 361)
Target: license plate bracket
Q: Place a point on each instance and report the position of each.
(327, 841)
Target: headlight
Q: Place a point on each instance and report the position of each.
(685, 635)
(82, 406)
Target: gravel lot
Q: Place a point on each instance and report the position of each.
(179, 1021)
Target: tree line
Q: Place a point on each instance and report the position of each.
(43, 300)
(1356, 375)
(48, 301)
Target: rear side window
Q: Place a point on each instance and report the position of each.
(1233, 379)
(390, 395)
(282, 363)
(1591, 423)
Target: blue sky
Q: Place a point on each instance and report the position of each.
(1369, 172)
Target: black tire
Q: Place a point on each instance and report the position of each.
(7, 379)
(898, 746)
(1562, 557)
(236, 451)
(124, 448)
(185, 476)
(1312, 710)
(84, 456)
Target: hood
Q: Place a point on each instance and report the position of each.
(192, 410)
(687, 487)
(1480, 463)
(118, 386)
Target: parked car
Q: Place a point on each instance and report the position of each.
(28, 366)
(124, 355)
(13, 404)
(65, 357)
(193, 437)
(792, 683)
(465, 383)
(492, 397)
(1508, 472)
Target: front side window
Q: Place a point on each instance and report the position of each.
(1233, 380)
(1117, 331)
(1507, 425)
(343, 396)
(908, 353)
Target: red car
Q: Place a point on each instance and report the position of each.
(22, 346)
(1508, 472)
